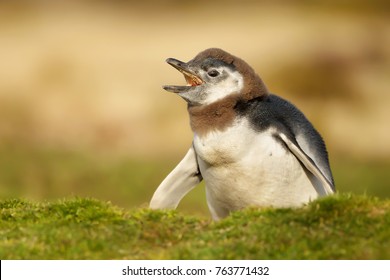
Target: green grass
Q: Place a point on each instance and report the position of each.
(338, 227)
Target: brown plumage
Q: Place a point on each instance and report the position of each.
(216, 116)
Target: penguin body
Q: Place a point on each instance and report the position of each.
(251, 147)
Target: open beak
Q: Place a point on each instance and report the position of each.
(192, 79)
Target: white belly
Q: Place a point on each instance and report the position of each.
(243, 168)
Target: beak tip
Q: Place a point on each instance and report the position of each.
(176, 63)
(171, 61)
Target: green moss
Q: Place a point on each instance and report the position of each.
(338, 227)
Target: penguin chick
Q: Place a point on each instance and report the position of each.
(252, 148)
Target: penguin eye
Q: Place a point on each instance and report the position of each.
(213, 73)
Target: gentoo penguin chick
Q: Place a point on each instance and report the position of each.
(251, 147)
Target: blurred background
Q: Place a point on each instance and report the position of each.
(82, 111)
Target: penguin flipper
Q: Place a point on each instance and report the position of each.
(178, 183)
(326, 187)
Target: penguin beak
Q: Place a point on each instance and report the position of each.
(192, 79)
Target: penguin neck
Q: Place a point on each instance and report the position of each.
(218, 115)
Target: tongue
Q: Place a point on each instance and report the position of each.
(191, 81)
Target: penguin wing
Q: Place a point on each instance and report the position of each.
(325, 187)
(178, 183)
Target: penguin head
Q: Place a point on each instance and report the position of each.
(213, 75)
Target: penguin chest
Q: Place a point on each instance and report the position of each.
(242, 167)
(218, 148)
(237, 147)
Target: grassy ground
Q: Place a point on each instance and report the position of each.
(339, 227)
